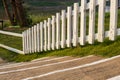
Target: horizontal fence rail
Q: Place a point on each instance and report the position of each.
(11, 33)
(62, 30)
(10, 48)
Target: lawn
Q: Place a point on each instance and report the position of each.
(105, 49)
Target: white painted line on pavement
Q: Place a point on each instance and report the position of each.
(115, 78)
(14, 64)
(33, 62)
(40, 59)
(73, 68)
(18, 70)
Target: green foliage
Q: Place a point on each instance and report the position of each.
(39, 18)
(7, 23)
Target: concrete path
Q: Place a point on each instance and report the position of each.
(63, 68)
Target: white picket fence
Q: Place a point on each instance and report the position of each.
(62, 30)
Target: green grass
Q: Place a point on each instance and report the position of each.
(11, 41)
(105, 49)
(40, 17)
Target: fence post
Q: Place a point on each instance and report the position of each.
(113, 19)
(49, 34)
(41, 36)
(58, 31)
(63, 36)
(101, 32)
(83, 22)
(92, 22)
(53, 32)
(69, 26)
(45, 35)
(75, 24)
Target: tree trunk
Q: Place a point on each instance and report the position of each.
(7, 12)
(16, 18)
(21, 13)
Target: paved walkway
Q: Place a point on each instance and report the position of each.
(63, 68)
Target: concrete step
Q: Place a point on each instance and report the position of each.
(39, 70)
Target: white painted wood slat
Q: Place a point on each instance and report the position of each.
(41, 36)
(101, 18)
(24, 43)
(113, 19)
(83, 23)
(33, 40)
(45, 35)
(27, 36)
(63, 30)
(49, 34)
(75, 24)
(30, 41)
(53, 33)
(69, 26)
(92, 22)
(38, 37)
(57, 30)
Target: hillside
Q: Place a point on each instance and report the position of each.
(38, 6)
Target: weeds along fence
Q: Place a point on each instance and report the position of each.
(70, 28)
(67, 29)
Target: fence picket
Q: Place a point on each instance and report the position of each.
(101, 32)
(49, 34)
(53, 32)
(92, 22)
(41, 36)
(69, 26)
(35, 37)
(113, 19)
(30, 46)
(58, 31)
(45, 35)
(38, 37)
(83, 22)
(63, 36)
(24, 42)
(27, 34)
(32, 39)
(75, 24)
